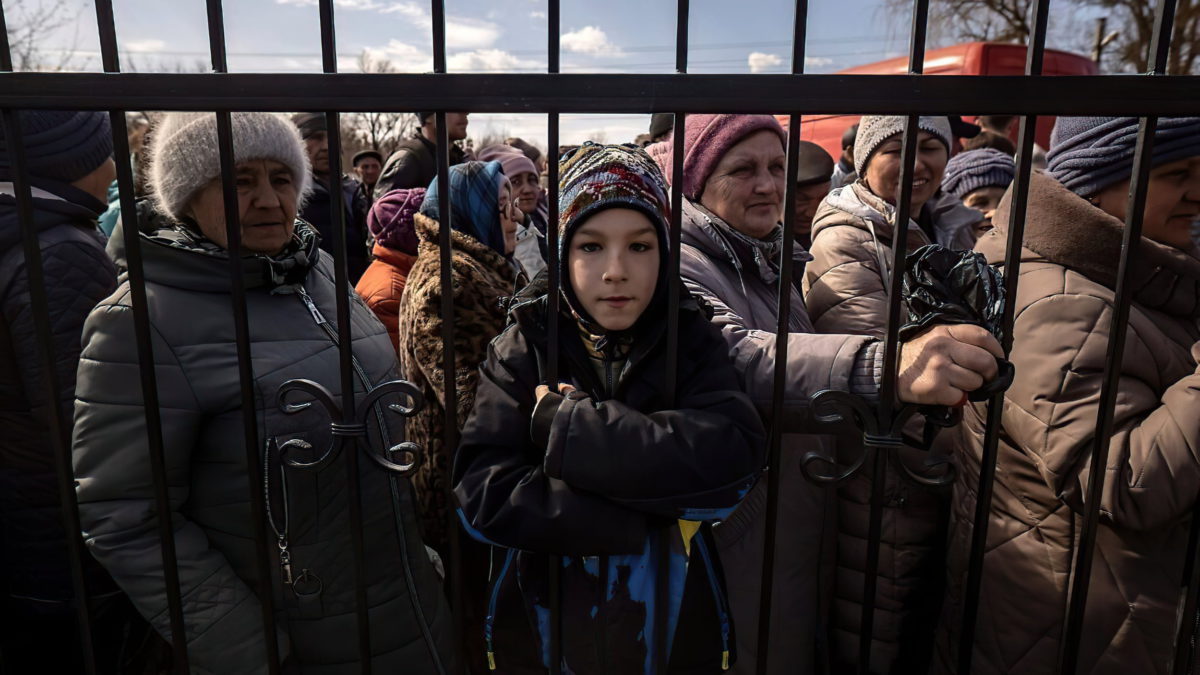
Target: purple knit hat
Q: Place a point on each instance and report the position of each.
(391, 219)
(513, 160)
(706, 139)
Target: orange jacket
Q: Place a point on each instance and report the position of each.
(382, 285)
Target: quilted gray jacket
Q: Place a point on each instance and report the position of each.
(738, 278)
(291, 301)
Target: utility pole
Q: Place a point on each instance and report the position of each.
(1102, 41)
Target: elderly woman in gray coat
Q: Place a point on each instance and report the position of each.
(734, 183)
(291, 300)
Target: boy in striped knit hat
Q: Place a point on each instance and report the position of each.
(602, 465)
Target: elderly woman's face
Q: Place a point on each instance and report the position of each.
(746, 187)
(1172, 202)
(526, 191)
(267, 196)
(882, 173)
(510, 217)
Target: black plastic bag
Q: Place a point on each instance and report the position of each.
(942, 286)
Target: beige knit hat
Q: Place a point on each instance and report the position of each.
(184, 156)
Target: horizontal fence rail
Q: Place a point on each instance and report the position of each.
(580, 93)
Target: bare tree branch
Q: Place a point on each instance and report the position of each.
(30, 22)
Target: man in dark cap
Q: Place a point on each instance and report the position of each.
(368, 164)
(843, 173)
(69, 165)
(414, 163)
(661, 125)
(813, 171)
(318, 209)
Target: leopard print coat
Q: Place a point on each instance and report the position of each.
(482, 281)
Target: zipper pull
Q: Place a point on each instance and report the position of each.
(725, 660)
(491, 657)
(312, 306)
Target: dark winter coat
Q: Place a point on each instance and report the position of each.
(318, 211)
(740, 282)
(845, 290)
(601, 476)
(291, 304)
(1063, 309)
(34, 566)
(413, 164)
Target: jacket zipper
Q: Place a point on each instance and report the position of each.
(719, 597)
(490, 620)
(319, 319)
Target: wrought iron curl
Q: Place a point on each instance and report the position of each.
(839, 407)
(291, 396)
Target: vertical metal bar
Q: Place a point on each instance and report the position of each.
(1012, 271)
(450, 400)
(342, 292)
(662, 636)
(1186, 631)
(263, 586)
(888, 401)
(783, 313)
(1085, 553)
(110, 58)
(553, 64)
(59, 427)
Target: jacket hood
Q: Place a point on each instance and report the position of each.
(53, 205)
(175, 255)
(1063, 228)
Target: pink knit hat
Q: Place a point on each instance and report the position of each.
(513, 160)
(706, 140)
(390, 219)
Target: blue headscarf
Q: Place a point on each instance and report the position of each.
(474, 202)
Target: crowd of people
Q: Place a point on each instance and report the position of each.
(651, 491)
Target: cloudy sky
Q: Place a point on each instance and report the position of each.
(728, 36)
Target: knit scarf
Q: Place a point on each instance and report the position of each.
(763, 253)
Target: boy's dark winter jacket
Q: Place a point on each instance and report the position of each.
(603, 477)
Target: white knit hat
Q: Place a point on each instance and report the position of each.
(184, 154)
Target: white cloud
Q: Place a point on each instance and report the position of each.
(407, 58)
(817, 62)
(537, 15)
(589, 40)
(143, 46)
(461, 32)
(759, 61)
(361, 5)
(487, 59)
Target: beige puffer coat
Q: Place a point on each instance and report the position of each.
(1063, 306)
(845, 293)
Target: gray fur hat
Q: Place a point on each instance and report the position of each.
(184, 156)
(873, 130)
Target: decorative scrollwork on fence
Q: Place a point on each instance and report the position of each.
(351, 431)
(878, 433)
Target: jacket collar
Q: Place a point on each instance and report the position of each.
(53, 205)
(427, 233)
(869, 211)
(175, 255)
(394, 257)
(1063, 228)
(718, 240)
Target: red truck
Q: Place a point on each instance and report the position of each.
(971, 58)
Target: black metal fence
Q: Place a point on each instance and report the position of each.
(1146, 96)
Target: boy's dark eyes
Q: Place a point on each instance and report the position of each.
(589, 247)
(639, 247)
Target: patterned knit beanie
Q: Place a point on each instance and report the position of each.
(184, 156)
(873, 130)
(390, 219)
(60, 145)
(1088, 154)
(598, 177)
(974, 169)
